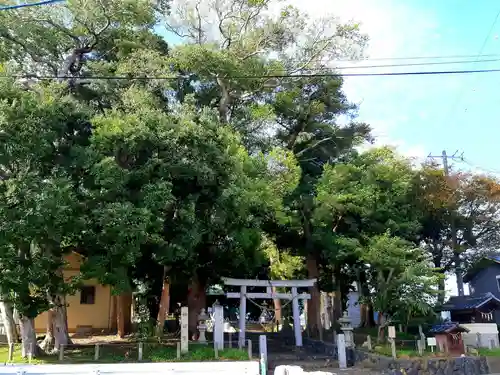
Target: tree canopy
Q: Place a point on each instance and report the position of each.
(217, 156)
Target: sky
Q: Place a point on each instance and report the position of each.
(422, 115)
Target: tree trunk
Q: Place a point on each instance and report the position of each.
(164, 304)
(28, 337)
(61, 335)
(437, 259)
(8, 322)
(338, 309)
(197, 299)
(47, 344)
(366, 312)
(313, 305)
(442, 290)
(366, 308)
(381, 327)
(113, 326)
(458, 273)
(124, 304)
(278, 314)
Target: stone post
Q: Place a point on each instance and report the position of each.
(219, 327)
(202, 326)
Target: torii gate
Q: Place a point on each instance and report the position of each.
(269, 284)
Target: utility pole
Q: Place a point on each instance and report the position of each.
(456, 254)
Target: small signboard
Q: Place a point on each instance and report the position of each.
(392, 332)
(431, 341)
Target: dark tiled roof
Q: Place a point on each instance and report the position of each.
(481, 265)
(449, 327)
(468, 302)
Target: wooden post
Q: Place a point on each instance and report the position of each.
(61, 352)
(178, 350)
(249, 347)
(369, 342)
(11, 352)
(296, 318)
(141, 346)
(96, 353)
(230, 338)
(243, 313)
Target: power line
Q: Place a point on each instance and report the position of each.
(483, 45)
(269, 76)
(17, 6)
(401, 65)
(436, 57)
(474, 165)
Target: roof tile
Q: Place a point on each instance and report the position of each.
(468, 302)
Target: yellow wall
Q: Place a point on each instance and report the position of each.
(97, 315)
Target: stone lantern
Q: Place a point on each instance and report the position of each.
(345, 326)
(202, 326)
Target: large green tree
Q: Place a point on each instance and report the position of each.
(356, 200)
(179, 189)
(402, 278)
(41, 133)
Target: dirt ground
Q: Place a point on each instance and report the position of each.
(97, 339)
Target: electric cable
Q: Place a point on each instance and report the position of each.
(25, 5)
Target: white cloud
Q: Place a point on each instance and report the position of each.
(395, 30)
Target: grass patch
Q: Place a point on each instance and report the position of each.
(406, 353)
(128, 353)
(494, 352)
(373, 332)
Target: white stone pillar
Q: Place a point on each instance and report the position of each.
(184, 330)
(341, 347)
(296, 317)
(219, 327)
(243, 313)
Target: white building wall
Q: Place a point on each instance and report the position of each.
(353, 310)
(488, 334)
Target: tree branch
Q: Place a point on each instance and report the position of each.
(313, 146)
